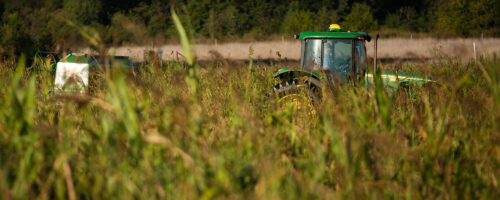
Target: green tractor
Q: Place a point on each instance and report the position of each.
(339, 58)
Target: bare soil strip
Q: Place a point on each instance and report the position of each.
(395, 48)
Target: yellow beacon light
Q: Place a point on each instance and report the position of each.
(334, 27)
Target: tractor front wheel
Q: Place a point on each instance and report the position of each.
(298, 97)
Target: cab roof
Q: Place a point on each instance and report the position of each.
(308, 35)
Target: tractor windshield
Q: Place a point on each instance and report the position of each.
(328, 54)
(337, 55)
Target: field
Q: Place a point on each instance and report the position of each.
(203, 119)
(211, 131)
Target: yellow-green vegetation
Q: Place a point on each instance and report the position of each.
(191, 131)
(26, 25)
(210, 131)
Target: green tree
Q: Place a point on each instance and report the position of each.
(393, 20)
(126, 28)
(343, 8)
(297, 20)
(325, 18)
(262, 17)
(198, 12)
(84, 11)
(463, 17)
(14, 40)
(221, 22)
(156, 17)
(405, 18)
(360, 19)
(1, 10)
(409, 18)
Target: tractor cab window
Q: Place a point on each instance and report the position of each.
(334, 55)
(360, 56)
(312, 57)
(337, 55)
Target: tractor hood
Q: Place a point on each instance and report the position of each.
(391, 76)
(394, 80)
(388, 77)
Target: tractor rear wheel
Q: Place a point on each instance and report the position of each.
(299, 97)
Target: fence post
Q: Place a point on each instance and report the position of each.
(475, 58)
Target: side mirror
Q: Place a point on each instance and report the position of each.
(296, 36)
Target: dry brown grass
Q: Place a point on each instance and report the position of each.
(388, 48)
(172, 133)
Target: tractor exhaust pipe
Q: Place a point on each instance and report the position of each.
(375, 57)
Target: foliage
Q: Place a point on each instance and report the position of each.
(123, 28)
(155, 14)
(209, 131)
(10, 33)
(84, 11)
(393, 20)
(296, 20)
(405, 18)
(149, 135)
(325, 17)
(222, 24)
(360, 19)
(466, 17)
(43, 24)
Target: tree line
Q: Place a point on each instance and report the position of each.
(27, 25)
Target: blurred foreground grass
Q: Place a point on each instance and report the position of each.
(169, 133)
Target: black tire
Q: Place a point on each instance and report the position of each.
(305, 85)
(299, 96)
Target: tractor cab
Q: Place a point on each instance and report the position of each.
(338, 54)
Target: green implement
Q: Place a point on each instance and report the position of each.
(72, 71)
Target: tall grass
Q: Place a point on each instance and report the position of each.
(145, 137)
